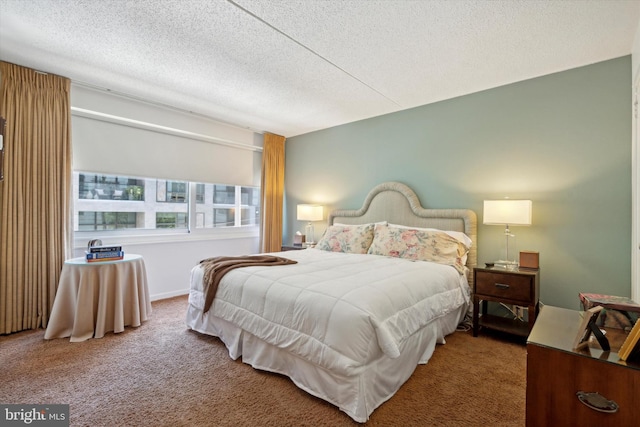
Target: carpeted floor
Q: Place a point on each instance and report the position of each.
(162, 374)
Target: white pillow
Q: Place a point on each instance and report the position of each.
(368, 223)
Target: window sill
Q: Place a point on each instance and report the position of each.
(81, 238)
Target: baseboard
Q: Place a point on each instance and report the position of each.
(166, 295)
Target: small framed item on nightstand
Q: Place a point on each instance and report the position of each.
(589, 318)
(529, 259)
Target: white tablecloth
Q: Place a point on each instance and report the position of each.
(99, 297)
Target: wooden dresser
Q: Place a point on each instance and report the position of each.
(556, 374)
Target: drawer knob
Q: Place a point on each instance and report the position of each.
(597, 402)
(502, 286)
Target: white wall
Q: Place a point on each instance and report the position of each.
(635, 179)
(169, 263)
(635, 54)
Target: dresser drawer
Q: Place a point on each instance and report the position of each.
(505, 286)
(555, 377)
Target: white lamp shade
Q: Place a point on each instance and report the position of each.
(310, 213)
(507, 212)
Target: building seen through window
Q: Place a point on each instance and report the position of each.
(88, 221)
(108, 187)
(113, 202)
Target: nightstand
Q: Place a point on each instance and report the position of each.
(518, 287)
(292, 248)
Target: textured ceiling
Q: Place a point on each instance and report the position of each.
(291, 67)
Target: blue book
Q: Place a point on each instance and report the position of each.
(113, 248)
(104, 256)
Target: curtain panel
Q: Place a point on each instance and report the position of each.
(272, 188)
(35, 195)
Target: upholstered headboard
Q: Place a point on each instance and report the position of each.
(398, 204)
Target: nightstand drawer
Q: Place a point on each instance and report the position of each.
(504, 286)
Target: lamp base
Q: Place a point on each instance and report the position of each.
(310, 241)
(509, 265)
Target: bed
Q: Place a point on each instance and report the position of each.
(351, 319)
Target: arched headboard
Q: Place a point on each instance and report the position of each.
(398, 204)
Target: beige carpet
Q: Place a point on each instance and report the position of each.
(162, 374)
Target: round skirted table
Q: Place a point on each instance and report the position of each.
(94, 298)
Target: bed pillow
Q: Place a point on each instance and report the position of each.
(369, 223)
(351, 239)
(418, 245)
(459, 235)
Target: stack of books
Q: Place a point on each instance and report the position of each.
(104, 253)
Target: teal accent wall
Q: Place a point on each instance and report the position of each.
(562, 140)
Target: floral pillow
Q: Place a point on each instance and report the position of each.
(351, 239)
(418, 245)
(461, 237)
(458, 235)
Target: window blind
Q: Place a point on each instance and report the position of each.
(116, 135)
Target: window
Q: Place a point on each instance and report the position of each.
(109, 187)
(200, 193)
(224, 194)
(88, 221)
(113, 202)
(172, 191)
(171, 220)
(232, 206)
(250, 205)
(223, 217)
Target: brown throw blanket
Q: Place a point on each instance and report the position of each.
(215, 268)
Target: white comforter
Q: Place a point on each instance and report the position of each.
(336, 310)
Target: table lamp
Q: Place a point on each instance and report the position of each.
(309, 213)
(507, 212)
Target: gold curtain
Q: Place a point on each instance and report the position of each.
(272, 192)
(35, 195)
